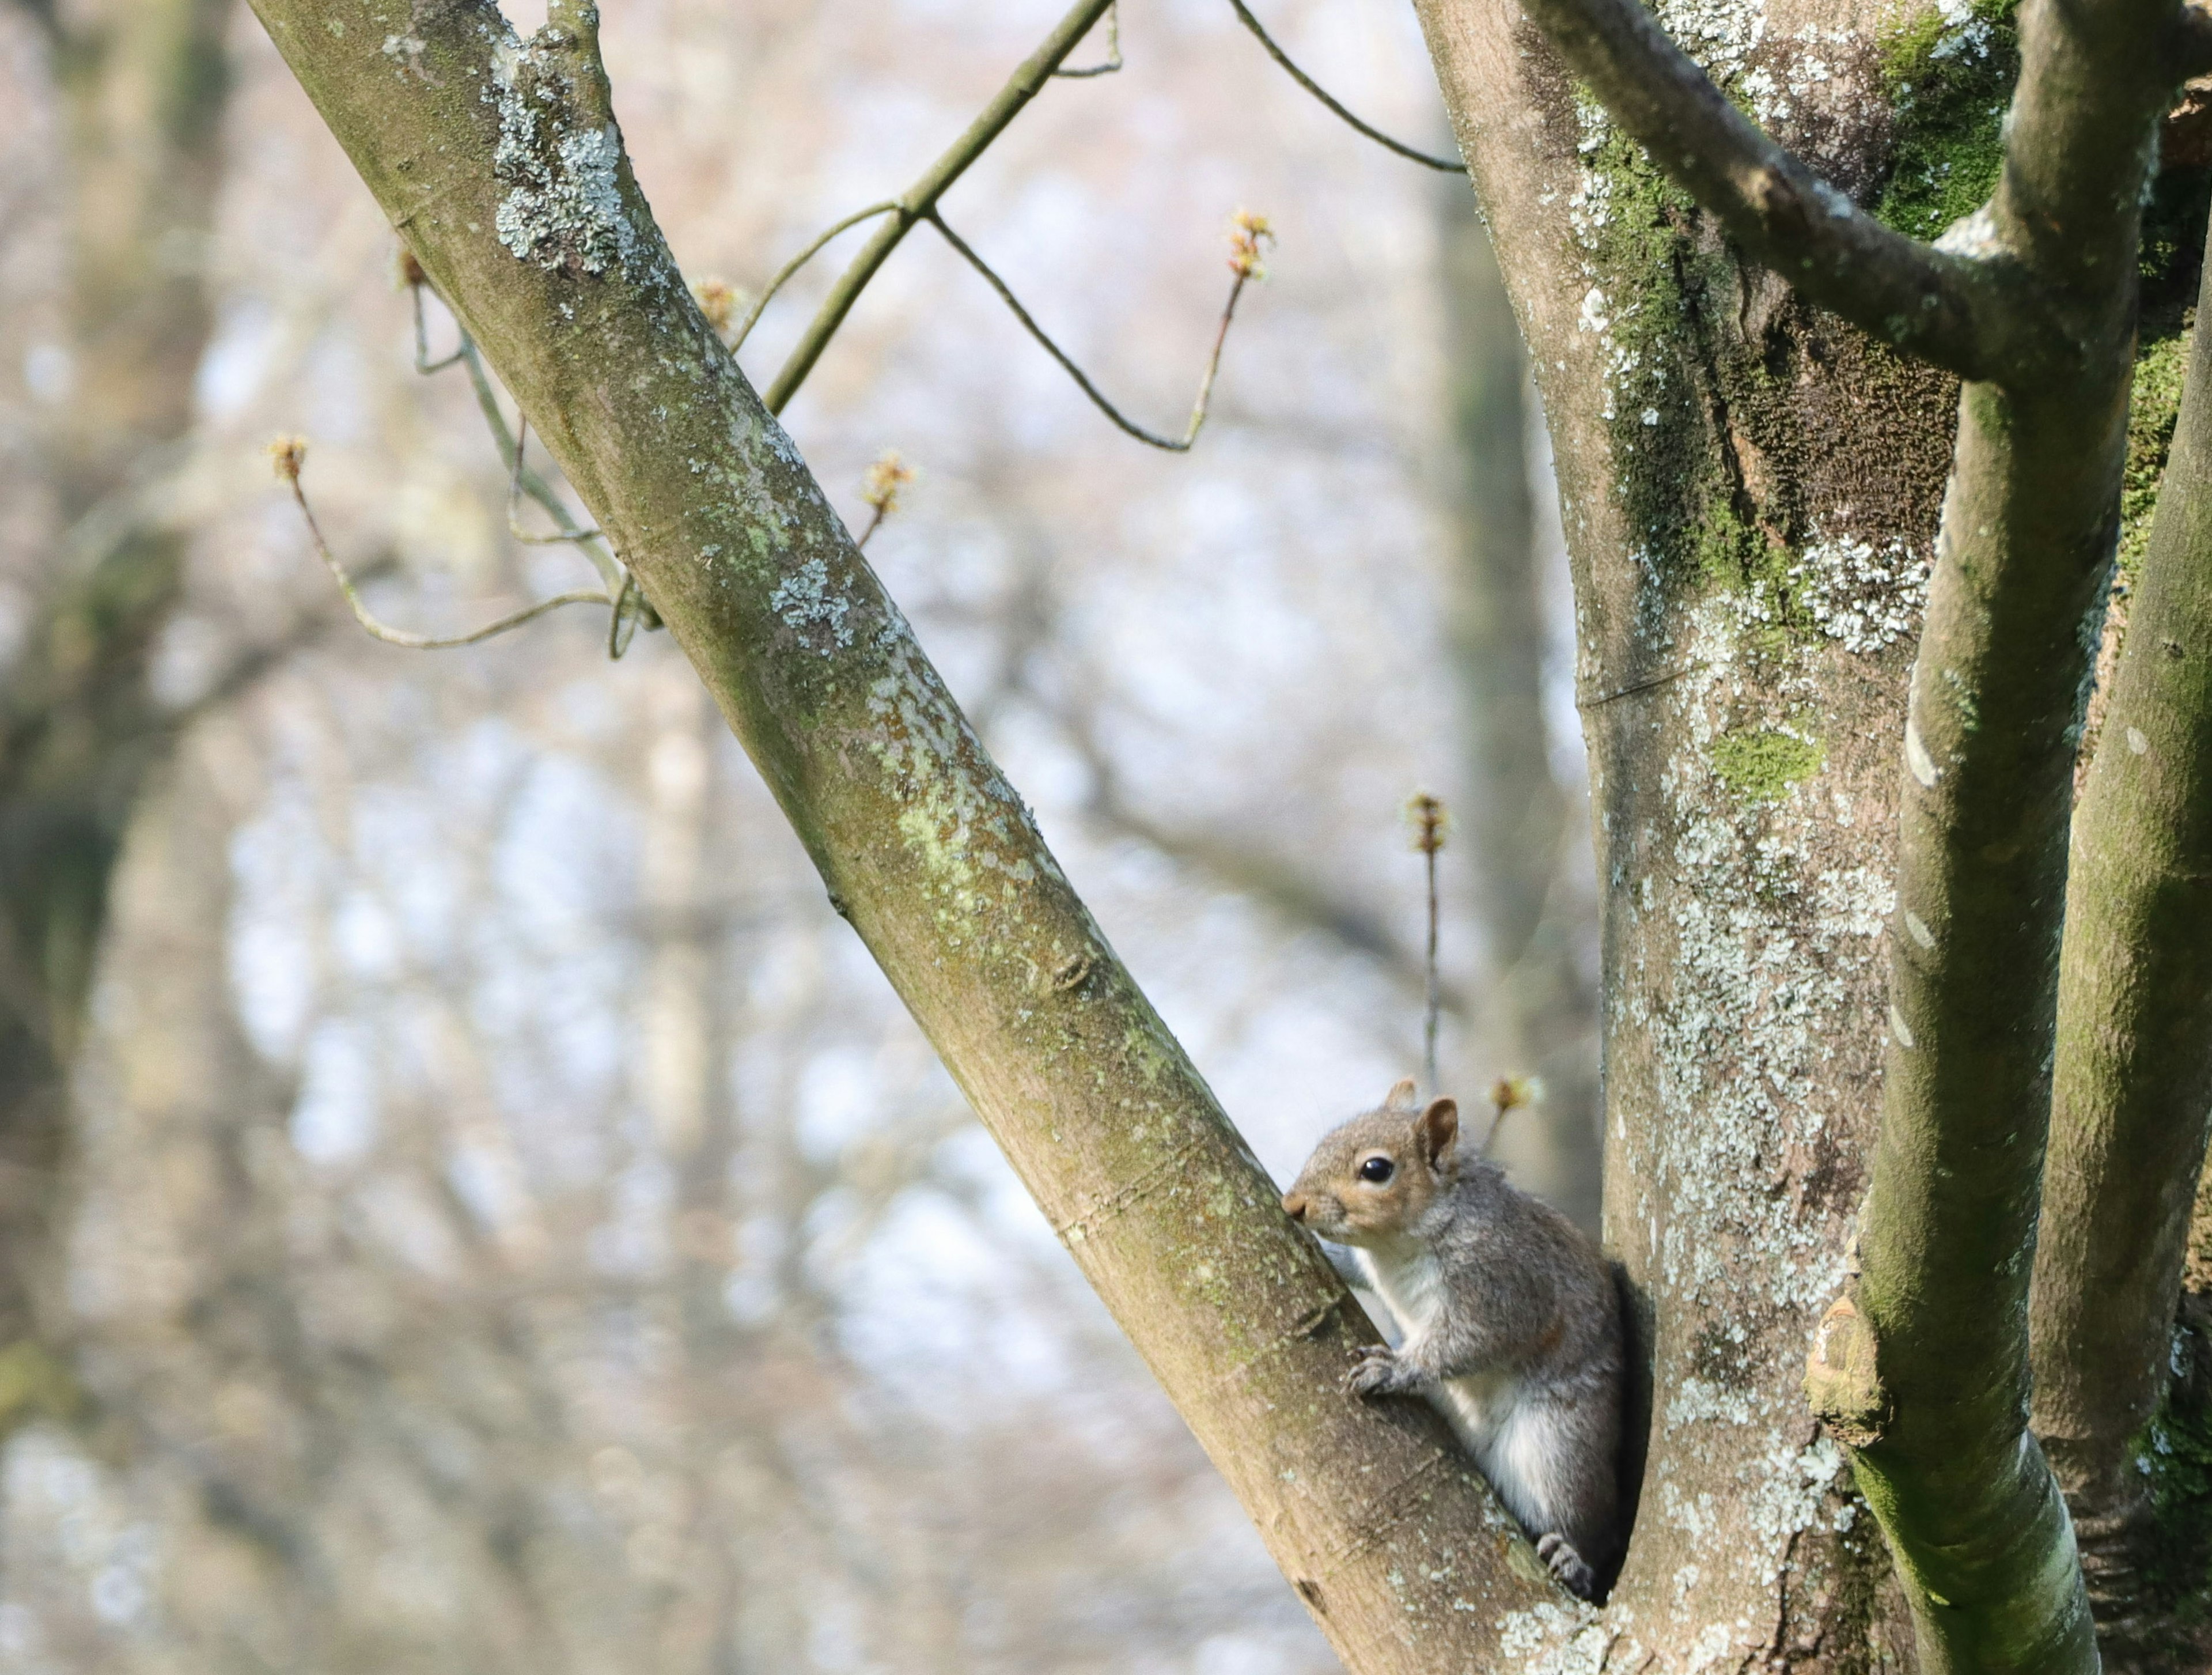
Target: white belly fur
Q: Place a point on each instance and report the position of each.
(1506, 1432)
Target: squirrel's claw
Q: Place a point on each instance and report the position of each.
(1380, 1372)
(1557, 1551)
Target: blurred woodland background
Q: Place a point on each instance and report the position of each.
(466, 1203)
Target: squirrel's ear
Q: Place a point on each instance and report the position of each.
(1439, 1130)
(1401, 1097)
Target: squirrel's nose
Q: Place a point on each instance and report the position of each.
(1294, 1206)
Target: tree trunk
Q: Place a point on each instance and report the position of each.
(144, 88)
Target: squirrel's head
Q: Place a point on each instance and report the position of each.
(1371, 1178)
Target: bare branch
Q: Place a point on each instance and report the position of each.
(1944, 308)
(760, 304)
(1113, 61)
(590, 542)
(569, 536)
(920, 199)
(1152, 438)
(290, 455)
(1448, 165)
(423, 364)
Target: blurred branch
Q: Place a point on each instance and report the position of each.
(290, 455)
(1447, 165)
(921, 199)
(568, 535)
(47, 16)
(1252, 231)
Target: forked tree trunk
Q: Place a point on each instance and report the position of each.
(1750, 491)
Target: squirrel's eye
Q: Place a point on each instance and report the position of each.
(1378, 1169)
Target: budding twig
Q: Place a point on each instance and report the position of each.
(1447, 165)
(1430, 820)
(290, 455)
(1249, 237)
(1508, 1094)
(880, 489)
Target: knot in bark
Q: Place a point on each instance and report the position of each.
(1843, 1384)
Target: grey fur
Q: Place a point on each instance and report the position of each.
(1509, 1319)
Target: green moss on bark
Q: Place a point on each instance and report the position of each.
(1948, 84)
(2154, 405)
(1761, 766)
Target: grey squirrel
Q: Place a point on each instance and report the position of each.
(1510, 1322)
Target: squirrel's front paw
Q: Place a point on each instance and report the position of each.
(1567, 1565)
(1380, 1372)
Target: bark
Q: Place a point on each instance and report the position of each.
(2134, 1074)
(144, 89)
(1517, 826)
(1632, 306)
(551, 260)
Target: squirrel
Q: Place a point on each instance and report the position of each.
(1509, 1320)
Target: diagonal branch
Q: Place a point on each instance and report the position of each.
(1953, 310)
(919, 839)
(1245, 271)
(1447, 165)
(920, 199)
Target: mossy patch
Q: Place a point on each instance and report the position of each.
(1761, 766)
(1948, 85)
(2154, 405)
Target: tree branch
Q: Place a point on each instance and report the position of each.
(1922, 1367)
(1448, 165)
(1951, 309)
(2133, 1083)
(922, 197)
(1198, 407)
(1388, 1532)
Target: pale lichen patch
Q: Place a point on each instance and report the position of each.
(805, 600)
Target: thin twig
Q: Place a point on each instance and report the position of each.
(1153, 438)
(880, 490)
(423, 364)
(1113, 50)
(1447, 165)
(290, 454)
(760, 303)
(400, 637)
(921, 199)
(592, 546)
(570, 536)
(1428, 817)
